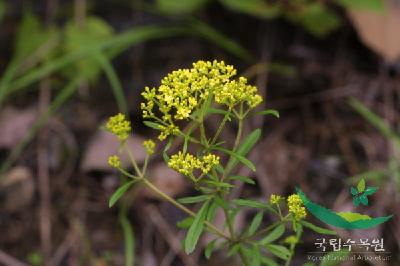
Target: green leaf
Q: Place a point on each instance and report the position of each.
(209, 248)
(152, 125)
(129, 237)
(370, 191)
(361, 186)
(318, 229)
(353, 216)
(364, 200)
(193, 199)
(166, 148)
(318, 19)
(250, 203)
(256, 256)
(373, 5)
(221, 202)
(119, 193)
(353, 191)
(269, 112)
(209, 33)
(179, 7)
(93, 31)
(233, 250)
(274, 235)
(255, 223)
(185, 223)
(268, 261)
(218, 184)
(196, 229)
(212, 211)
(356, 201)
(258, 8)
(244, 179)
(240, 158)
(279, 251)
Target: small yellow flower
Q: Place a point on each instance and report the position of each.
(208, 162)
(149, 145)
(182, 91)
(184, 163)
(296, 208)
(119, 126)
(275, 199)
(114, 161)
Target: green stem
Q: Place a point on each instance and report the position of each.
(181, 207)
(221, 126)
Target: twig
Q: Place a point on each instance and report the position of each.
(7, 260)
(43, 176)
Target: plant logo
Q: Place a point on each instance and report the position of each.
(360, 194)
(346, 220)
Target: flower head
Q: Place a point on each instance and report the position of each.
(186, 163)
(119, 126)
(149, 145)
(114, 161)
(184, 90)
(275, 199)
(296, 208)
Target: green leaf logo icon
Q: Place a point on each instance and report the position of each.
(360, 195)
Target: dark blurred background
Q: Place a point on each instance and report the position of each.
(331, 68)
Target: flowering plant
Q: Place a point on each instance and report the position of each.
(178, 109)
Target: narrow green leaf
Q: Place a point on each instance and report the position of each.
(185, 223)
(196, 229)
(279, 251)
(209, 248)
(152, 125)
(219, 184)
(318, 229)
(361, 186)
(194, 199)
(119, 193)
(212, 211)
(268, 261)
(370, 191)
(242, 159)
(256, 258)
(244, 179)
(233, 250)
(274, 235)
(255, 223)
(372, 5)
(269, 112)
(250, 203)
(129, 237)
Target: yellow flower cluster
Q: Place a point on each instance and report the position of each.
(296, 208)
(149, 145)
(114, 161)
(275, 199)
(186, 163)
(184, 90)
(119, 126)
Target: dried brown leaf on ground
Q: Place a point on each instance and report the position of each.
(380, 31)
(14, 124)
(166, 179)
(103, 145)
(16, 189)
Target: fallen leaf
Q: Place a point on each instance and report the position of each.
(380, 30)
(104, 144)
(14, 124)
(167, 180)
(16, 189)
